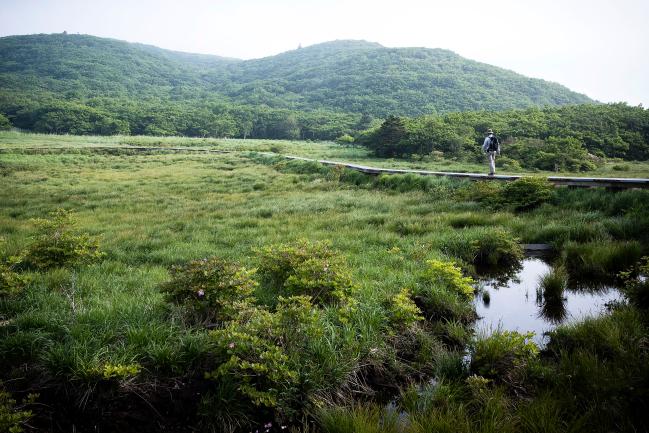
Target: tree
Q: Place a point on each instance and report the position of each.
(4, 123)
(388, 142)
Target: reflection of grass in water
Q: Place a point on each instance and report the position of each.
(549, 294)
(499, 276)
(486, 298)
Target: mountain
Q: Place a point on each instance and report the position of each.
(81, 66)
(339, 76)
(358, 76)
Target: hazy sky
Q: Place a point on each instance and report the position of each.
(597, 47)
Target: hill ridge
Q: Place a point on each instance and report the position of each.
(345, 75)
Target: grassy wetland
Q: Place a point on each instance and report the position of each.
(176, 291)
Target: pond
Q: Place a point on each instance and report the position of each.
(512, 303)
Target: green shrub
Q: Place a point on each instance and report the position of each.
(14, 416)
(345, 139)
(5, 124)
(298, 166)
(259, 354)
(11, 282)
(402, 310)
(58, 245)
(443, 294)
(526, 193)
(553, 154)
(121, 371)
(508, 163)
(448, 276)
(354, 177)
(210, 289)
(304, 268)
(503, 355)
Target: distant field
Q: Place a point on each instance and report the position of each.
(318, 150)
(152, 211)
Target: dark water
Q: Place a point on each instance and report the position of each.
(513, 304)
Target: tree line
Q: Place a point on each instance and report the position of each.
(551, 138)
(209, 118)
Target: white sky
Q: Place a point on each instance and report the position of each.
(596, 47)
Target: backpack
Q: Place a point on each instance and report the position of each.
(494, 144)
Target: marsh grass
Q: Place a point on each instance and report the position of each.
(550, 294)
(157, 210)
(603, 262)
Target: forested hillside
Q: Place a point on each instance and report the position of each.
(363, 77)
(82, 84)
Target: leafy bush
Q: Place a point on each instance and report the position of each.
(345, 139)
(526, 193)
(449, 276)
(57, 244)
(259, 353)
(5, 124)
(553, 154)
(502, 355)
(14, 416)
(443, 294)
(120, 371)
(210, 289)
(402, 310)
(508, 163)
(11, 282)
(305, 268)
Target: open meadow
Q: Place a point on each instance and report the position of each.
(329, 300)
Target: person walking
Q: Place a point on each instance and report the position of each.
(491, 147)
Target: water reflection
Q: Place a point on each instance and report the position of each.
(515, 301)
(553, 309)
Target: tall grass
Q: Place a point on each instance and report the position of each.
(552, 286)
(596, 261)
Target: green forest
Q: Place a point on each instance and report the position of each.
(79, 84)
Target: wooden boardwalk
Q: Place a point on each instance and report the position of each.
(583, 182)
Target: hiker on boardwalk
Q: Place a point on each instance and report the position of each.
(491, 147)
